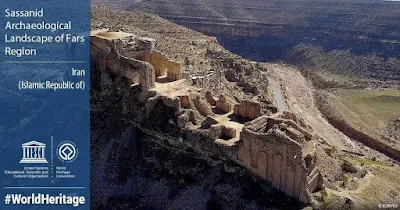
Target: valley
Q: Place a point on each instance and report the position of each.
(336, 73)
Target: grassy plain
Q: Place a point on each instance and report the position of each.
(376, 108)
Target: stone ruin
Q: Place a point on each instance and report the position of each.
(248, 109)
(277, 148)
(109, 53)
(165, 70)
(133, 57)
(223, 105)
(280, 151)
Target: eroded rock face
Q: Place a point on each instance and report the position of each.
(208, 122)
(393, 130)
(348, 167)
(132, 171)
(188, 116)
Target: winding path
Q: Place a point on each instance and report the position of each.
(279, 99)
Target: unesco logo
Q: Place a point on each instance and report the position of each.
(67, 151)
(33, 152)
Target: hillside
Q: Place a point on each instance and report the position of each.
(366, 16)
(331, 24)
(213, 137)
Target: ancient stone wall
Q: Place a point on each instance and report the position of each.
(277, 158)
(223, 105)
(202, 106)
(162, 65)
(106, 55)
(146, 44)
(291, 128)
(314, 180)
(248, 109)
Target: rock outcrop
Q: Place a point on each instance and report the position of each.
(278, 149)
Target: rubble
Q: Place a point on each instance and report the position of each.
(278, 148)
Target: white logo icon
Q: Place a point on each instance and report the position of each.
(67, 151)
(33, 152)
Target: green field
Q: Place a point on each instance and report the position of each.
(338, 80)
(374, 108)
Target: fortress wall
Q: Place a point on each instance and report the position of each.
(306, 134)
(294, 130)
(135, 70)
(275, 158)
(162, 65)
(283, 165)
(123, 67)
(100, 45)
(106, 54)
(271, 154)
(223, 105)
(290, 180)
(202, 106)
(254, 149)
(294, 134)
(262, 161)
(257, 124)
(248, 109)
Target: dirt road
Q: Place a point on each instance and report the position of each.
(300, 100)
(279, 99)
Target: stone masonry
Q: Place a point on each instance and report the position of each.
(248, 109)
(114, 52)
(278, 148)
(273, 155)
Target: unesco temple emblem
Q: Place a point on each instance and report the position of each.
(33, 152)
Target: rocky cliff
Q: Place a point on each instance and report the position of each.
(170, 105)
(277, 26)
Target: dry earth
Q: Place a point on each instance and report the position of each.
(181, 44)
(378, 185)
(299, 96)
